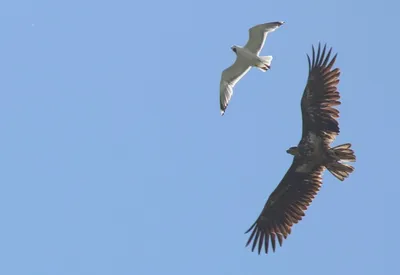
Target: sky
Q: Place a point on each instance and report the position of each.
(115, 160)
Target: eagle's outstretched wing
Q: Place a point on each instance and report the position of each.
(258, 34)
(285, 206)
(229, 78)
(320, 96)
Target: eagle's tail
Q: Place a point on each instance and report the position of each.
(265, 63)
(341, 153)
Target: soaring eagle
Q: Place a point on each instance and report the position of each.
(288, 202)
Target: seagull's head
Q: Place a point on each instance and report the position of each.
(233, 48)
(293, 151)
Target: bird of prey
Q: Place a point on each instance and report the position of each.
(246, 57)
(288, 202)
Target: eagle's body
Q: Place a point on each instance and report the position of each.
(246, 58)
(288, 202)
(310, 152)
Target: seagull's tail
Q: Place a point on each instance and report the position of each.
(265, 63)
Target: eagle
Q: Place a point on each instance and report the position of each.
(288, 202)
(246, 58)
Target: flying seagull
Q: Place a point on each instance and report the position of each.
(246, 57)
(289, 201)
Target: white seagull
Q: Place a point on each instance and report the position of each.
(246, 57)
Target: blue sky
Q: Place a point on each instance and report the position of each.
(115, 159)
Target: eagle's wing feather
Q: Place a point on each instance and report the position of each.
(229, 78)
(258, 35)
(285, 206)
(321, 95)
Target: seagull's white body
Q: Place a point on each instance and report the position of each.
(246, 57)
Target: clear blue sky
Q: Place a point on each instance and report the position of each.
(115, 160)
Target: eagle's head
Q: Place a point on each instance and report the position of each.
(233, 48)
(293, 151)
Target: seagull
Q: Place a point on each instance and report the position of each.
(246, 57)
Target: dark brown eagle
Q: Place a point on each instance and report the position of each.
(288, 202)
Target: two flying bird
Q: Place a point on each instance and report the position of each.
(313, 155)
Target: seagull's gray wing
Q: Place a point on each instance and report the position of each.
(229, 78)
(258, 34)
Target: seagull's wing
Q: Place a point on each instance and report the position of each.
(258, 34)
(229, 78)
